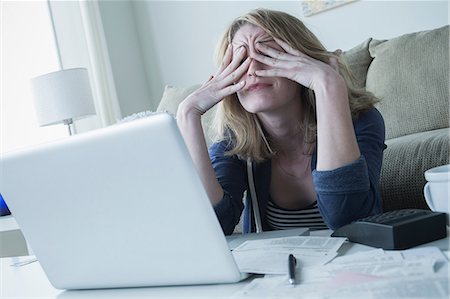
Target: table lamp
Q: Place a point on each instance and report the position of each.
(62, 97)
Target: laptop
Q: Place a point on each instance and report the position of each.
(121, 206)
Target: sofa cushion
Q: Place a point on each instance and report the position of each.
(173, 96)
(358, 60)
(405, 161)
(410, 75)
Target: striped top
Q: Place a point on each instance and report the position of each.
(279, 218)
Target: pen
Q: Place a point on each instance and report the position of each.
(292, 262)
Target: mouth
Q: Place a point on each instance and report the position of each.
(257, 86)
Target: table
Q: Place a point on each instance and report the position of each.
(30, 281)
(12, 242)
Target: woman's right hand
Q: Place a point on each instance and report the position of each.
(196, 104)
(222, 84)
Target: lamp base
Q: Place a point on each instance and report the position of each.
(70, 126)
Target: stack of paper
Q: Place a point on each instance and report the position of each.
(413, 273)
(270, 256)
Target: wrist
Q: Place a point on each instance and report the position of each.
(332, 87)
(186, 111)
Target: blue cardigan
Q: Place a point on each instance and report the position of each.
(344, 194)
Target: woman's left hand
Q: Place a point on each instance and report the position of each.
(336, 140)
(297, 66)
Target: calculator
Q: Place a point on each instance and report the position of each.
(400, 229)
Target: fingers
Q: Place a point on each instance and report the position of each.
(230, 89)
(236, 74)
(274, 73)
(225, 86)
(268, 51)
(267, 60)
(236, 61)
(288, 48)
(226, 60)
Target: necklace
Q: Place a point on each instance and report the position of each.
(296, 176)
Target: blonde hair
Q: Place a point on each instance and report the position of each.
(242, 127)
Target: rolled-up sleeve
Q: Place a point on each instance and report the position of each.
(231, 174)
(351, 192)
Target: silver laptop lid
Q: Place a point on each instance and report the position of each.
(117, 207)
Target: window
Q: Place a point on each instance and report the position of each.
(27, 50)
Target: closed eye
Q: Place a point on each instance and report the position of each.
(268, 43)
(265, 55)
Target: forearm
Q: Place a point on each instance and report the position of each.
(336, 140)
(348, 193)
(189, 123)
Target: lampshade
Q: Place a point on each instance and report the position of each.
(62, 96)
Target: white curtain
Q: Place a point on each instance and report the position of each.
(81, 40)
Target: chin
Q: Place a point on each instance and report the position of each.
(257, 103)
(255, 106)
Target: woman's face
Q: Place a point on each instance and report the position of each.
(262, 94)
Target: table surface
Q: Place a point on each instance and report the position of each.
(12, 241)
(8, 223)
(30, 281)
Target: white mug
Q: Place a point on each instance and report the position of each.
(436, 190)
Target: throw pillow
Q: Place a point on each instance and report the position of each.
(410, 75)
(173, 96)
(358, 60)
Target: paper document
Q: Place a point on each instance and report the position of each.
(400, 287)
(378, 263)
(374, 274)
(236, 240)
(270, 256)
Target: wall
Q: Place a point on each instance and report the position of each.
(126, 54)
(178, 38)
(156, 43)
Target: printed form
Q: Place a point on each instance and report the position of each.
(270, 256)
(412, 273)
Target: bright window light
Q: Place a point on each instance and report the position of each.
(27, 50)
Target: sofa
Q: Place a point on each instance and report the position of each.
(410, 75)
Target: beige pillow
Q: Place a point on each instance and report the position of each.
(358, 60)
(410, 74)
(173, 96)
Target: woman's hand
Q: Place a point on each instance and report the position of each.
(190, 110)
(222, 84)
(297, 66)
(336, 140)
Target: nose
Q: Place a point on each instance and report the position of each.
(254, 64)
(253, 67)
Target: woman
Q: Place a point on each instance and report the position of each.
(289, 106)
